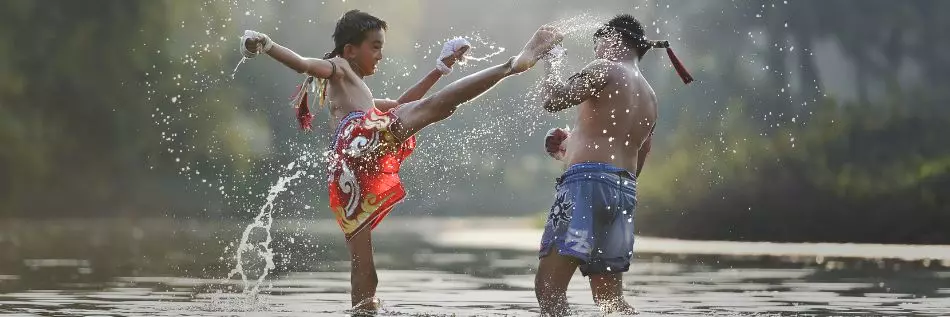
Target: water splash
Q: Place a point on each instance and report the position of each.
(483, 49)
(262, 250)
(234, 72)
(580, 27)
(478, 41)
(486, 57)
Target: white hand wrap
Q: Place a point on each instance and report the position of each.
(264, 43)
(449, 48)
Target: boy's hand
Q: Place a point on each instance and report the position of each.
(452, 51)
(554, 143)
(253, 43)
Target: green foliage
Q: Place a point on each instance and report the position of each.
(847, 174)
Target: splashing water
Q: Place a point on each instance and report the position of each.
(482, 49)
(580, 27)
(467, 58)
(263, 250)
(234, 72)
(577, 30)
(479, 40)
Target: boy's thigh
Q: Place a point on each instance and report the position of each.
(416, 115)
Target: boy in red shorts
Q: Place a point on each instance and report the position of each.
(374, 136)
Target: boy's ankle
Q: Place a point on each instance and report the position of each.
(369, 304)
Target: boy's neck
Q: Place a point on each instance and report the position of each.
(356, 69)
(625, 57)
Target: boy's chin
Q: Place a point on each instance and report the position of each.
(372, 71)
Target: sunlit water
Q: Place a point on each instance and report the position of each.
(422, 278)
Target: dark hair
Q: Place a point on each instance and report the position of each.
(630, 31)
(351, 29)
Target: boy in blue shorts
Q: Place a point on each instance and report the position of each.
(590, 225)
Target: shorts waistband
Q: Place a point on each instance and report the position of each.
(593, 167)
(339, 127)
(596, 167)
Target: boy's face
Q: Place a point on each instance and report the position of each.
(369, 52)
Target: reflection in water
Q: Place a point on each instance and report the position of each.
(421, 278)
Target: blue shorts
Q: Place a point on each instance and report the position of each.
(592, 218)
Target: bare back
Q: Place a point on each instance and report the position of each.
(611, 126)
(347, 93)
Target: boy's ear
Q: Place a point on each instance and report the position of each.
(348, 51)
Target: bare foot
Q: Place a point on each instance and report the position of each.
(543, 40)
(368, 306)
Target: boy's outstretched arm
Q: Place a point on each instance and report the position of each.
(315, 67)
(452, 51)
(413, 93)
(560, 95)
(256, 43)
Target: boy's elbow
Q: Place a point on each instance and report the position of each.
(301, 68)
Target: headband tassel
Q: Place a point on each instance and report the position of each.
(677, 64)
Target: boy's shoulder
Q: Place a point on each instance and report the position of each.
(603, 67)
(341, 64)
(337, 60)
(600, 72)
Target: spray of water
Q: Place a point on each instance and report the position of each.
(482, 50)
(234, 72)
(579, 27)
(262, 249)
(478, 44)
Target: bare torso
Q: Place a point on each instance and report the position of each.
(347, 93)
(612, 126)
